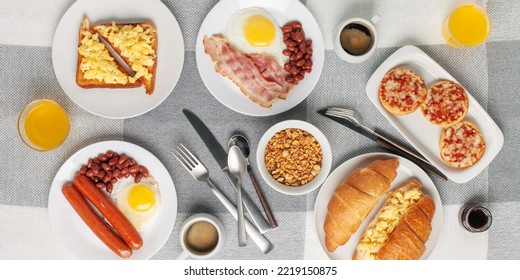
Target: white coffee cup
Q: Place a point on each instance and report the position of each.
(187, 224)
(342, 53)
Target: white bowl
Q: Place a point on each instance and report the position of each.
(325, 166)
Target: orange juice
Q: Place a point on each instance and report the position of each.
(45, 125)
(468, 25)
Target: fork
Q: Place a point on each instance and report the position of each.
(355, 119)
(385, 141)
(201, 173)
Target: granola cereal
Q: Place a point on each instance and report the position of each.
(293, 157)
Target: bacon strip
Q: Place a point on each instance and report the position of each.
(261, 88)
(272, 71)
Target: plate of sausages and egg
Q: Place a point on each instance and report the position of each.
(113, 200)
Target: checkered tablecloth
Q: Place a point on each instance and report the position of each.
(491, 72)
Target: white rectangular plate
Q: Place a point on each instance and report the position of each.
(423, 135)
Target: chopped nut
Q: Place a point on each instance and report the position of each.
(293, 157)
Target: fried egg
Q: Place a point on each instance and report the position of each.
(137, 201)
(254, 30)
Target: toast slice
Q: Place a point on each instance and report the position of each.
(96, 68)
(136, 43)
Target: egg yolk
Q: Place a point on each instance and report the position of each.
(141, 198)
(259, 31)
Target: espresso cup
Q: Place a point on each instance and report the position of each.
(201, 237)
(368, 26)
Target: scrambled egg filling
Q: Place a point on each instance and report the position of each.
(97, 63)
(135, 44)
(388, 219)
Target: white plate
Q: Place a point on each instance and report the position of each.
(423, 135)
(76, 235)
(326, 159)
(226, 91)
(118, 103)
(406, 171)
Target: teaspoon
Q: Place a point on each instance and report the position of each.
(242, 142)
(237, 167)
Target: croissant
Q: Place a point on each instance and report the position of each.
(354, 198)
(401, 228)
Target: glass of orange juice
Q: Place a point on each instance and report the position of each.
(468, 25)
(43, 125)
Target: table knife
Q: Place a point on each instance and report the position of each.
(117, 57)
(221, 156)
(389, 144)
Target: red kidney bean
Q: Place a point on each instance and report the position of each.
(287, 28)
(101, 185)
(102, 174)
(286, 52)
(143, 170)
(109, 187)
(291, 43)
(89, 163)
(116, 172)
(298, 77)
(138, 177)
(294, 70)
(307, 56)
(124, 171)
(127, 175)
(296, 24)
(286, 36)
(113, 161)
(109, 175)
(105, 166)
(302, 47)
(125, 164)
(83, 170)
(102, 157)
(308, 43)
(298, 36)
(299, 55)
(113, 180)
(300, 62)
(308, 70)
(134, 168)
(287, 66)
(90, 173)
(308, 51)
(289, 79)
(122, 159)
(109, 154)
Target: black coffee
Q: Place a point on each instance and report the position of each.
(356, 39)
(477, 219)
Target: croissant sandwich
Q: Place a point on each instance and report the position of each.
(401, 228)
(354, 198)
